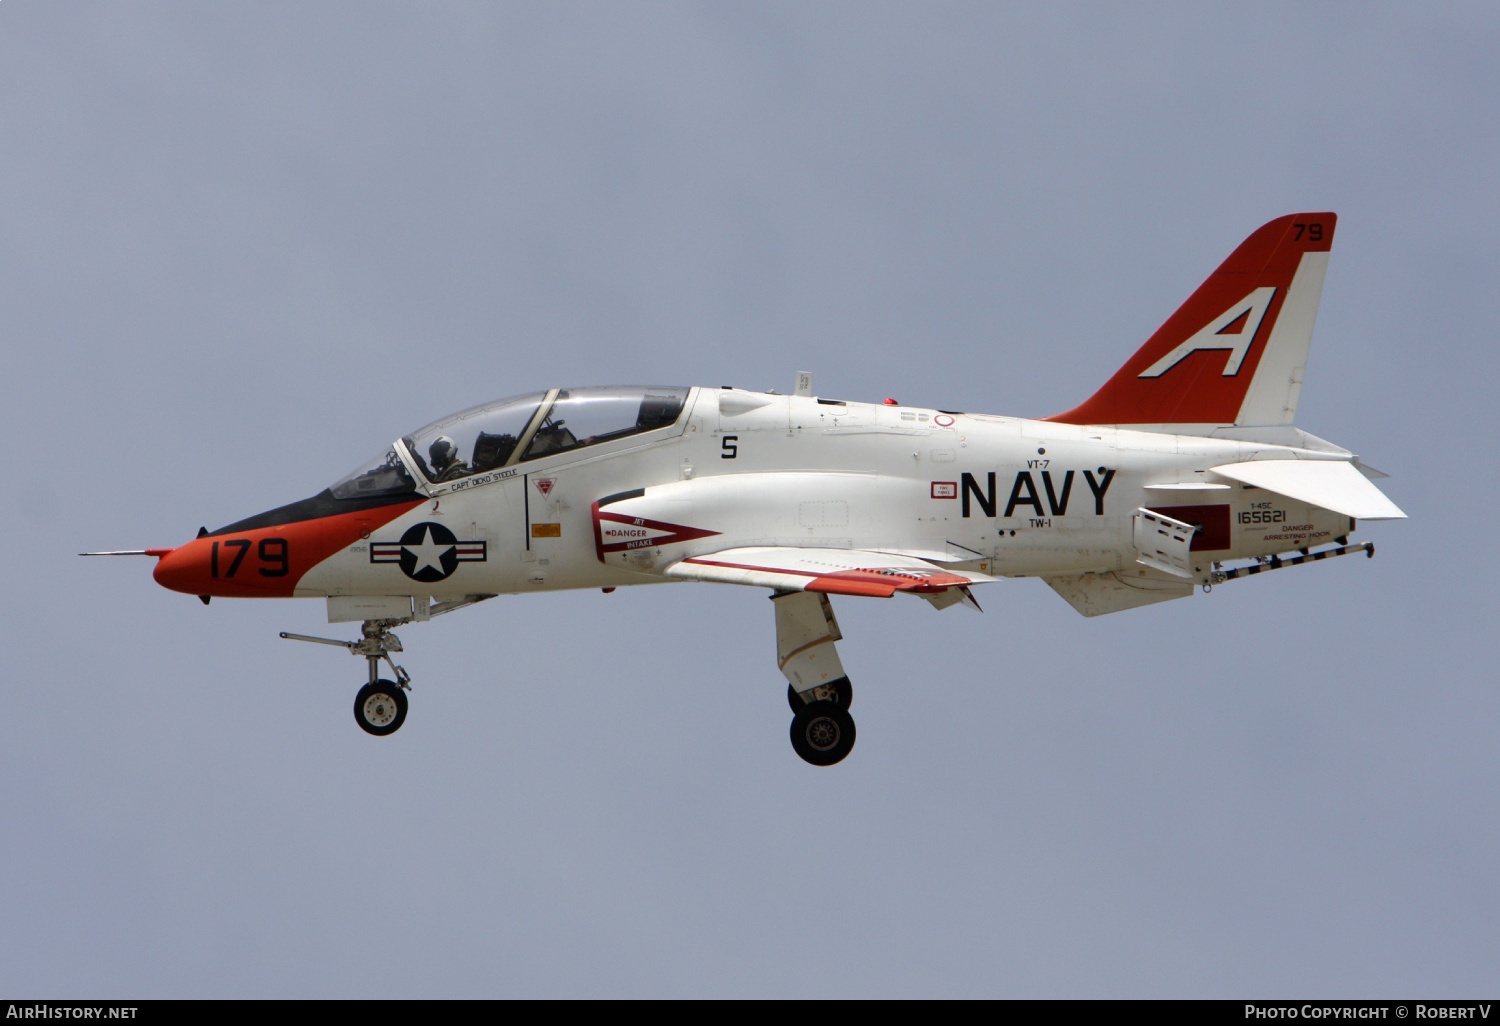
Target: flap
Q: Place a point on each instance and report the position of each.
(835, 571)
(1332, 484)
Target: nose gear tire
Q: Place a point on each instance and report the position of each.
(380, 708)
(822, 733)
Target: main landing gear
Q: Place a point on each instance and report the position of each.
(380, 706)
(840, 692)
(822, 733)
(818, 690)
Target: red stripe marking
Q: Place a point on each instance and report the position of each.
(882, 583)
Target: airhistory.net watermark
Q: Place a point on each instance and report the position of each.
(43, 1010)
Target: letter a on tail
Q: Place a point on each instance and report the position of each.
(1235, 352)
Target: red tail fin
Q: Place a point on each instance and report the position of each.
(1234, 353)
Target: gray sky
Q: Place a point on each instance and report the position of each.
(244, 246)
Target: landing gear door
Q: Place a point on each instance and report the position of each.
(805, 633)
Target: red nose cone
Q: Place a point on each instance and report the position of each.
(182, 569)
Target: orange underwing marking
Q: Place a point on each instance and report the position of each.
(875, 582)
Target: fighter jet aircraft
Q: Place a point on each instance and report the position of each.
(1184, 470)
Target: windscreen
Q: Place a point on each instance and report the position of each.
(384, 475)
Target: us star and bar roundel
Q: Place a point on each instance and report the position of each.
(428, 552)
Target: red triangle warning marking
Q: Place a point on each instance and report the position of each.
(544, 484)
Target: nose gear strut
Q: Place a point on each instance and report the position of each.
(378, 643)
(380, 706)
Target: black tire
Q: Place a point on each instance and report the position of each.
(844, 689)
(380, 708)
(822, 733)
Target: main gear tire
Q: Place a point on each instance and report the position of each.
(843, 697)
(380, 708)
(822, 733)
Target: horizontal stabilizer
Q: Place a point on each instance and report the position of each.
(1331, 484)
(832, 571)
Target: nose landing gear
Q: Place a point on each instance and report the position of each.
(380, 706)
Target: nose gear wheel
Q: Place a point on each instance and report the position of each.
(380, 707)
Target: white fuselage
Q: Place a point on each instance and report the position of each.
(1004, 495)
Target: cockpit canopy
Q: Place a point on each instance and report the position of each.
(480, 438)
(515, 430)
(528, 427)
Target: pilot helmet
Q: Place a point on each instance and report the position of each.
(442, 451)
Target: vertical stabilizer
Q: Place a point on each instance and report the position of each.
(1235, 352)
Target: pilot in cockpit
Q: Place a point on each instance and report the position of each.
(445, 462)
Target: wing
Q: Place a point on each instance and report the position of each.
(834, 571)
